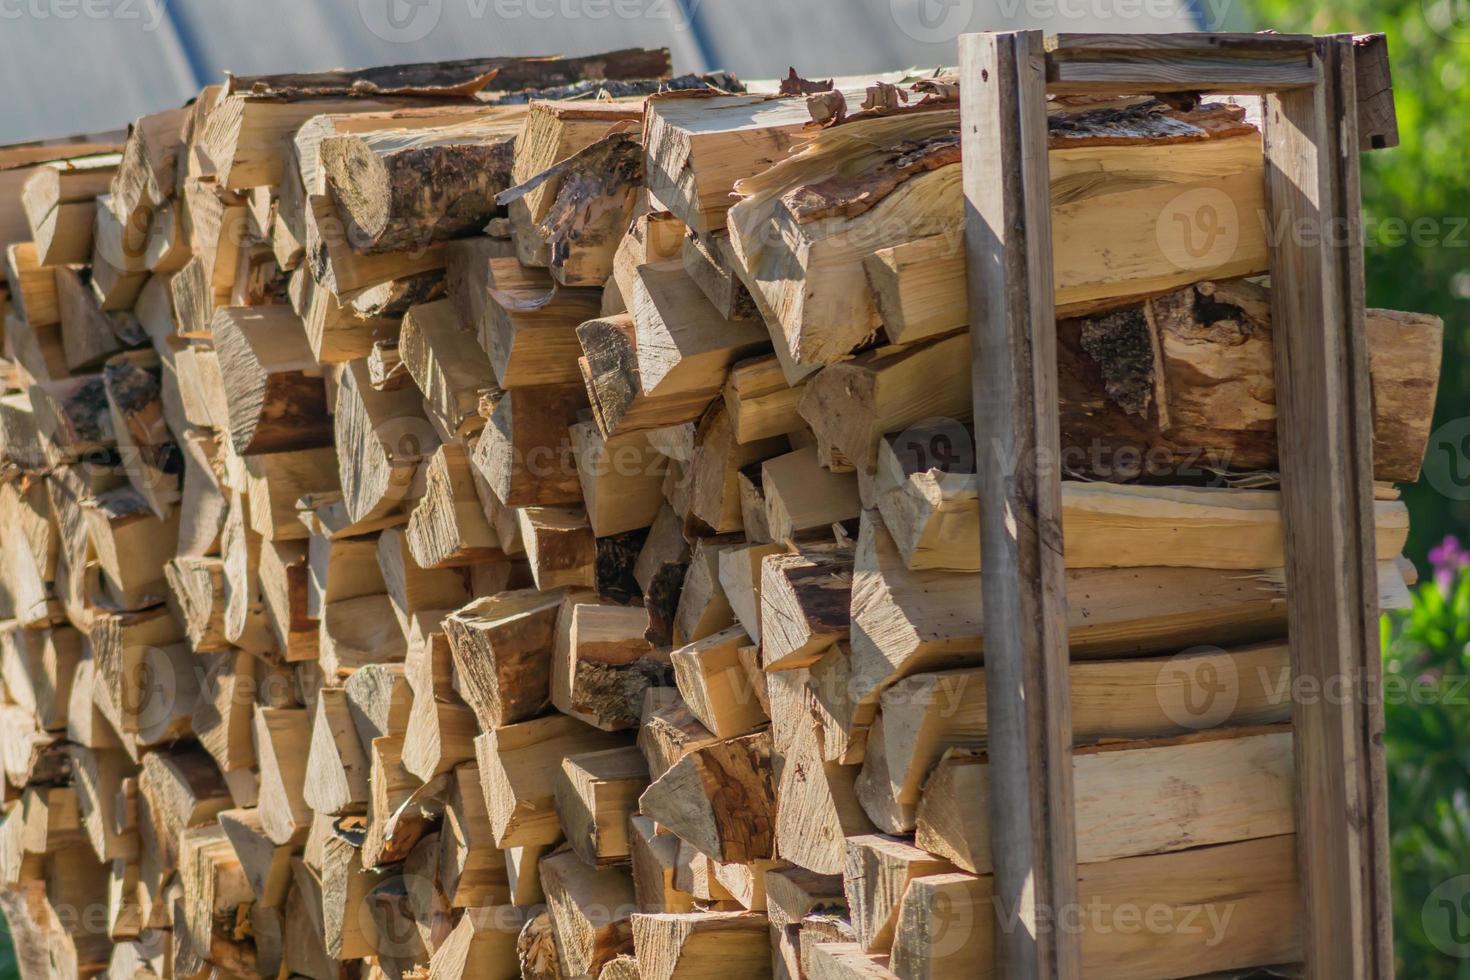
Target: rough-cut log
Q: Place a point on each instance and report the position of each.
(381, 438)
(719, 798)
(447, 364)
(1204, 789)
(502, 655)
(590, 911)
(1174, 386)
(524, 452)
(272, 382)
(805, 603)
(518, 765)
(927, 713)
(596, 793)
(683, 946)
(402, 189)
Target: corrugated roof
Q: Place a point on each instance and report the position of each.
(71, 66)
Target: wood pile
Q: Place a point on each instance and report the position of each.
(518, 518)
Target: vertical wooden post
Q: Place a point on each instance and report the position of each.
(1013, 325)
(1324, 429)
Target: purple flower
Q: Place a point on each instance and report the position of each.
(1448, 558)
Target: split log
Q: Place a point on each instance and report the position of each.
(804, 498)
(603, 664)
(1206, 400)
(596, 793)
(615, 388)
(684, 344)
(805, 605)
(1210, 788)
(654, 854)
(518, 764)
(447, 364)
(525, 453)
(60, 201)
(710, 262)
(888, 180)
(272, 383)
(448, 526)
(402, 189)
(381, 438)
(32, 286)
(720, 799)
(473, 872)
(703, 609)
(336, 765)
(89, 334)
(669, 731)
(1259, 873)
(621, 478)
(483, 944)
(715, 685)
(590, 911)
(818, 804)
(528, 325)
(694, 944)
(282, 743)
(760, 402)
(502, 655)
(697, 148)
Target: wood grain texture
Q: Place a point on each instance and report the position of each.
(1008, 244)
(1324, 429)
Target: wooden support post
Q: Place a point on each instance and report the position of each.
(1324, 426)
(1009, 259)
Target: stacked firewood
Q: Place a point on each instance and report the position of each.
(518, 518)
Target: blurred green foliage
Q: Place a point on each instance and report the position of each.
(1427, 709)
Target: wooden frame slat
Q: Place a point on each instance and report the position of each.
(1324, 419)
(1009, 256)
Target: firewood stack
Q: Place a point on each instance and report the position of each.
(518, 518)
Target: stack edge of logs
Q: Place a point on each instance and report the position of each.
(518, 518)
